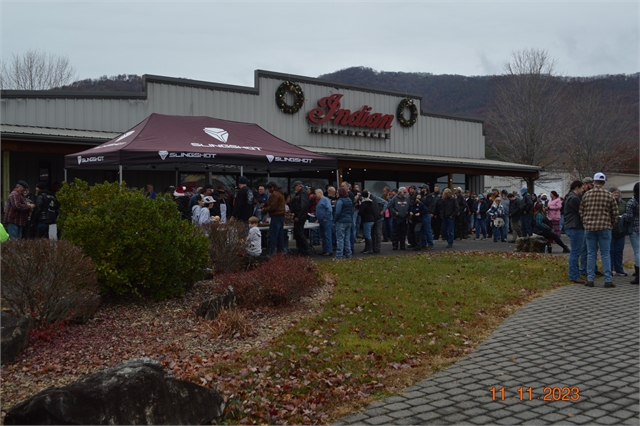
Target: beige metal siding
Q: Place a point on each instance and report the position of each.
(429, 136)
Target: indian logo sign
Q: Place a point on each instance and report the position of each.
(329, 109)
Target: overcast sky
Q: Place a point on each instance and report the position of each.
(225, 42)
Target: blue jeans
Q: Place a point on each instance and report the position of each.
(367, 226)
(617, 247)
(448, 224)
(387, 228)
(497, 234)
(525, 225)
(634, 244)
(343, 237)
(481, 226)
(276, 235)
(505, 227)
(14, 231)
(326, 230)
(426, 235)
(576, 258)
(598, 240)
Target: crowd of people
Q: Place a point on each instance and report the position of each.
(593, 218)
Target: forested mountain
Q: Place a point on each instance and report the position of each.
(118, 83)
(462, 95)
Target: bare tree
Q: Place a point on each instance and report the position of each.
(600, 136)
(525, 120)
(36, 70)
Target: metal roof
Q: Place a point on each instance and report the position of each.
(49, 132)
(478, 163)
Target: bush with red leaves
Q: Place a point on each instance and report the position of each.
(279, 281)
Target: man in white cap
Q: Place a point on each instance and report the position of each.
(599, 213)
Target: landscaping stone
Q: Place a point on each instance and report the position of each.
(135, 392)
(15, 336)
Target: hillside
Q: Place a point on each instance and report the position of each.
(463, 95)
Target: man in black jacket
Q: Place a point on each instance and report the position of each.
(515, 211)
(244, 203)
(300, 210)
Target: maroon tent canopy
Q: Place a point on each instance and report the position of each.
(169, 142)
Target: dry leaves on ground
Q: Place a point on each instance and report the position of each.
(168, 331)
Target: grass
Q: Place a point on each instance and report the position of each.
(390, 322)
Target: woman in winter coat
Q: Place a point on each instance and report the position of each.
(618, 238)
(368, 219)
(554, 208)
(543, 227)
(343, 219)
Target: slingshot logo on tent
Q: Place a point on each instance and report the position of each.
(163, 154)
(82, 159)
(129, 133)
(220, 134)
(270, 158)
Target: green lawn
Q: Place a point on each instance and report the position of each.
(390, 322)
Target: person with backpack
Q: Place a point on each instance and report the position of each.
(46, 210)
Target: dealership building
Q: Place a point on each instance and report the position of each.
(377, 137)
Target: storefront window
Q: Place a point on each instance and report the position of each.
(376, 186)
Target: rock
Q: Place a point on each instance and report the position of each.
(78, 309)
(135, 392)
(15, 336)
(211, 308)
(533, 244)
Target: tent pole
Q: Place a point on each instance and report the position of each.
(65, 175)
(177, 172)
(241, 170)
(120, 168)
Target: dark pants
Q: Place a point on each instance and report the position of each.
(399, 233)
(376, 235)
(411, 233)
(301, 241)
(617, 248)
(436, 226)
(525, 225)
(276, 235)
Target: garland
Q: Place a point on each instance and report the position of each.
(296, 90)
(406, 102)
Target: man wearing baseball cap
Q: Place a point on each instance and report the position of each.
(17, 212)
(599, 213)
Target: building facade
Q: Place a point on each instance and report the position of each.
(379, 137)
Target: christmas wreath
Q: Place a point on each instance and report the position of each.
(296, 90)
(414, 112)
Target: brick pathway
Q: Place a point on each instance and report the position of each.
(584, 339)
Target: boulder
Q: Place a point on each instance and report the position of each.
(15, 336)
(534, 244)
(135, 392)
(210, 309)
(77, 309)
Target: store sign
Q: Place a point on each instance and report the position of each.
(329, 110)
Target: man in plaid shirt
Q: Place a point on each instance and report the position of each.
(17, 211)
(599, 214)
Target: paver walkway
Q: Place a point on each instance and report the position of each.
(579, 338)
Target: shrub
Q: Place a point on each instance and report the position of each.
(226, 245)
(139, 245)
(231, 323)
(48, 280)
(281, 280)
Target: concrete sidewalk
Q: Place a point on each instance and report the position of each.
(583, 339)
